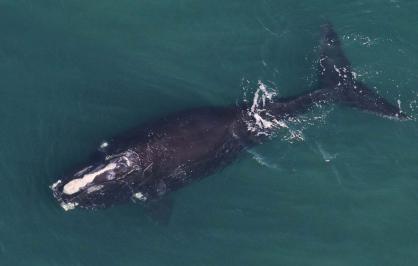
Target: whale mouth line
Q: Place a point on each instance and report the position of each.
(96, 181)
(118, 166)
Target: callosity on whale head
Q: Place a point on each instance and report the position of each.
(168, 153)
(100, 184)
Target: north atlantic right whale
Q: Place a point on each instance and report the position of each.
(166, 154)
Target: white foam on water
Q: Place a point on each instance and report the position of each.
(413, 105)
(295, 135)
(262, 123)
(363, 39)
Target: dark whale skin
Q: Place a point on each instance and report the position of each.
(166, 154)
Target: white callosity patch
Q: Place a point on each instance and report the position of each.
(399, 104)
(76, 184)
(69, 206)
(104, 145)
(54, 186)
(94, 188)
(140, 196)
(125, 163)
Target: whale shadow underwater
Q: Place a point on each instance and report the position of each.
(166, 154)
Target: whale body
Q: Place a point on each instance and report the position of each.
(166, 154)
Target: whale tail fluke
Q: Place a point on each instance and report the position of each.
(338, 83)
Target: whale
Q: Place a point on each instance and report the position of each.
(160, 156)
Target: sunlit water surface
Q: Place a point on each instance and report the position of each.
(338, 187)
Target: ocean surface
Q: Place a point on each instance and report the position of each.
(340, 188)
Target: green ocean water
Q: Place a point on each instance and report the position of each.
(74, 73)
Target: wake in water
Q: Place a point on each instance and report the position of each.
(262, 160)
(262, 122)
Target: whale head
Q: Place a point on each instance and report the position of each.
(99, 184)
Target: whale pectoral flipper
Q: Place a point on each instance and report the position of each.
(160, 210)
(336, 77)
